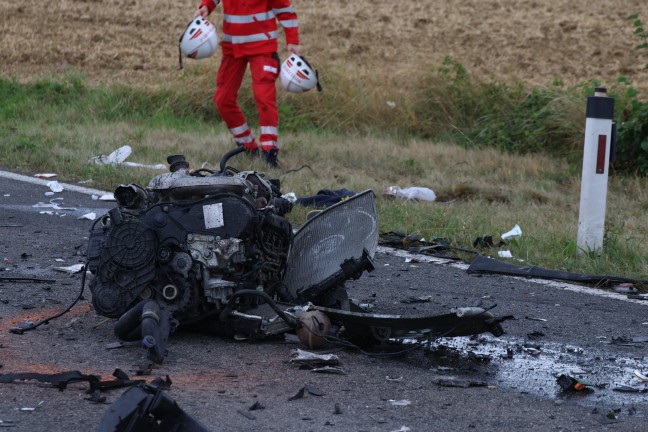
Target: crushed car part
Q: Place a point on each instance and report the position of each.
(213, 250)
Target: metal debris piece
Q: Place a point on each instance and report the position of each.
(401, 402)
(299, 356)
(455, 382)
(114, 345)
(532, 318)
(256, 406)
(73, 269)
(329, 370)
(246, 414)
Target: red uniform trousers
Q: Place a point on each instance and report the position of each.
(264, 69)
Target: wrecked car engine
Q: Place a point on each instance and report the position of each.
(213, 251)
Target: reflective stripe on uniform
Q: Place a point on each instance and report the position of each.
(289, 23)
(240, 129)
(247, 19)
(259, 37)
(269, 130)
(288, 9)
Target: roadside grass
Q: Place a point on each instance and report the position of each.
(59, 126)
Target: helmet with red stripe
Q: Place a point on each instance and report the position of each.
(297, 76)
(199, 39)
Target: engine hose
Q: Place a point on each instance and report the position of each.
(227, 156)
(292, 322)
(128, 327)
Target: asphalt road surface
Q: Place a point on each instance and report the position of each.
(482, 383)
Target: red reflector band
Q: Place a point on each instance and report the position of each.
(600, 157)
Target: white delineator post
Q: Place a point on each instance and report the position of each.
(596, 162)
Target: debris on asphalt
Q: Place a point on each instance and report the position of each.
(55, 186)
(401, 402)
(421, 299)
(53, 205)
(246, 414)
(629, 389)
(147, 408)
(625, 288)
(326, 369)
(532, 318)
(641, 376)
(256, 406)
(32, 408)
(402, 429)
(570, 383)
(45, 175)
(114, 345)
(308, 388)
(456, 382)
(89, 216)
(62, 379)
(302, 357)
(73, 269)
(515, 232)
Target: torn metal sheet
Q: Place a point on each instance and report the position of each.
(299, 356)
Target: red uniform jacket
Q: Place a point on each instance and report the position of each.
(250, 26)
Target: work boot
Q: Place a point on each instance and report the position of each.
(270, 157)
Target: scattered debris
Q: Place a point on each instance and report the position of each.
(641, 376)
(73, 269)
(505, 254)
(147, 408)
(328, 370)
(25, 279)
(325, 198)
(62, 379)
(483, 264)
(412, 193)
(532, 318)
(629, 389)
(45, 175)
(456, 382)
(402, 429)
(53, 205)
(89, 216)
(32, 408)
(421, 299)
(302, 357)
(570, 383)
(401, 402)
(307, 388)
(256, 406)
(246, 414)
(626, 288)
(515, 232)
(114, 345)
(119, 156)
(55, 186)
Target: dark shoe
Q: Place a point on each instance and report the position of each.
(270, 157)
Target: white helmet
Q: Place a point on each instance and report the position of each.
(199, 39)
(298, 76)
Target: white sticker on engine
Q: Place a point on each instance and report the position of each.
(213, 215)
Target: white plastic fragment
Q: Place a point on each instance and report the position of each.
(45, 175)
(290, 196)
(401, 402)
(504, 254)
(641, 376)
(90, 216)
(119, 156)
(55, 186)
(391, 104)
(412, 193)
(73, 269)
(403, 429)
(515, 232)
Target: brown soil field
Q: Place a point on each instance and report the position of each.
(135, 41)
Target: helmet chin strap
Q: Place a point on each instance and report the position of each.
(180, 65)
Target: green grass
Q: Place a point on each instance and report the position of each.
(483, 188)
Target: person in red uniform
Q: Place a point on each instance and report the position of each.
(250, 37)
